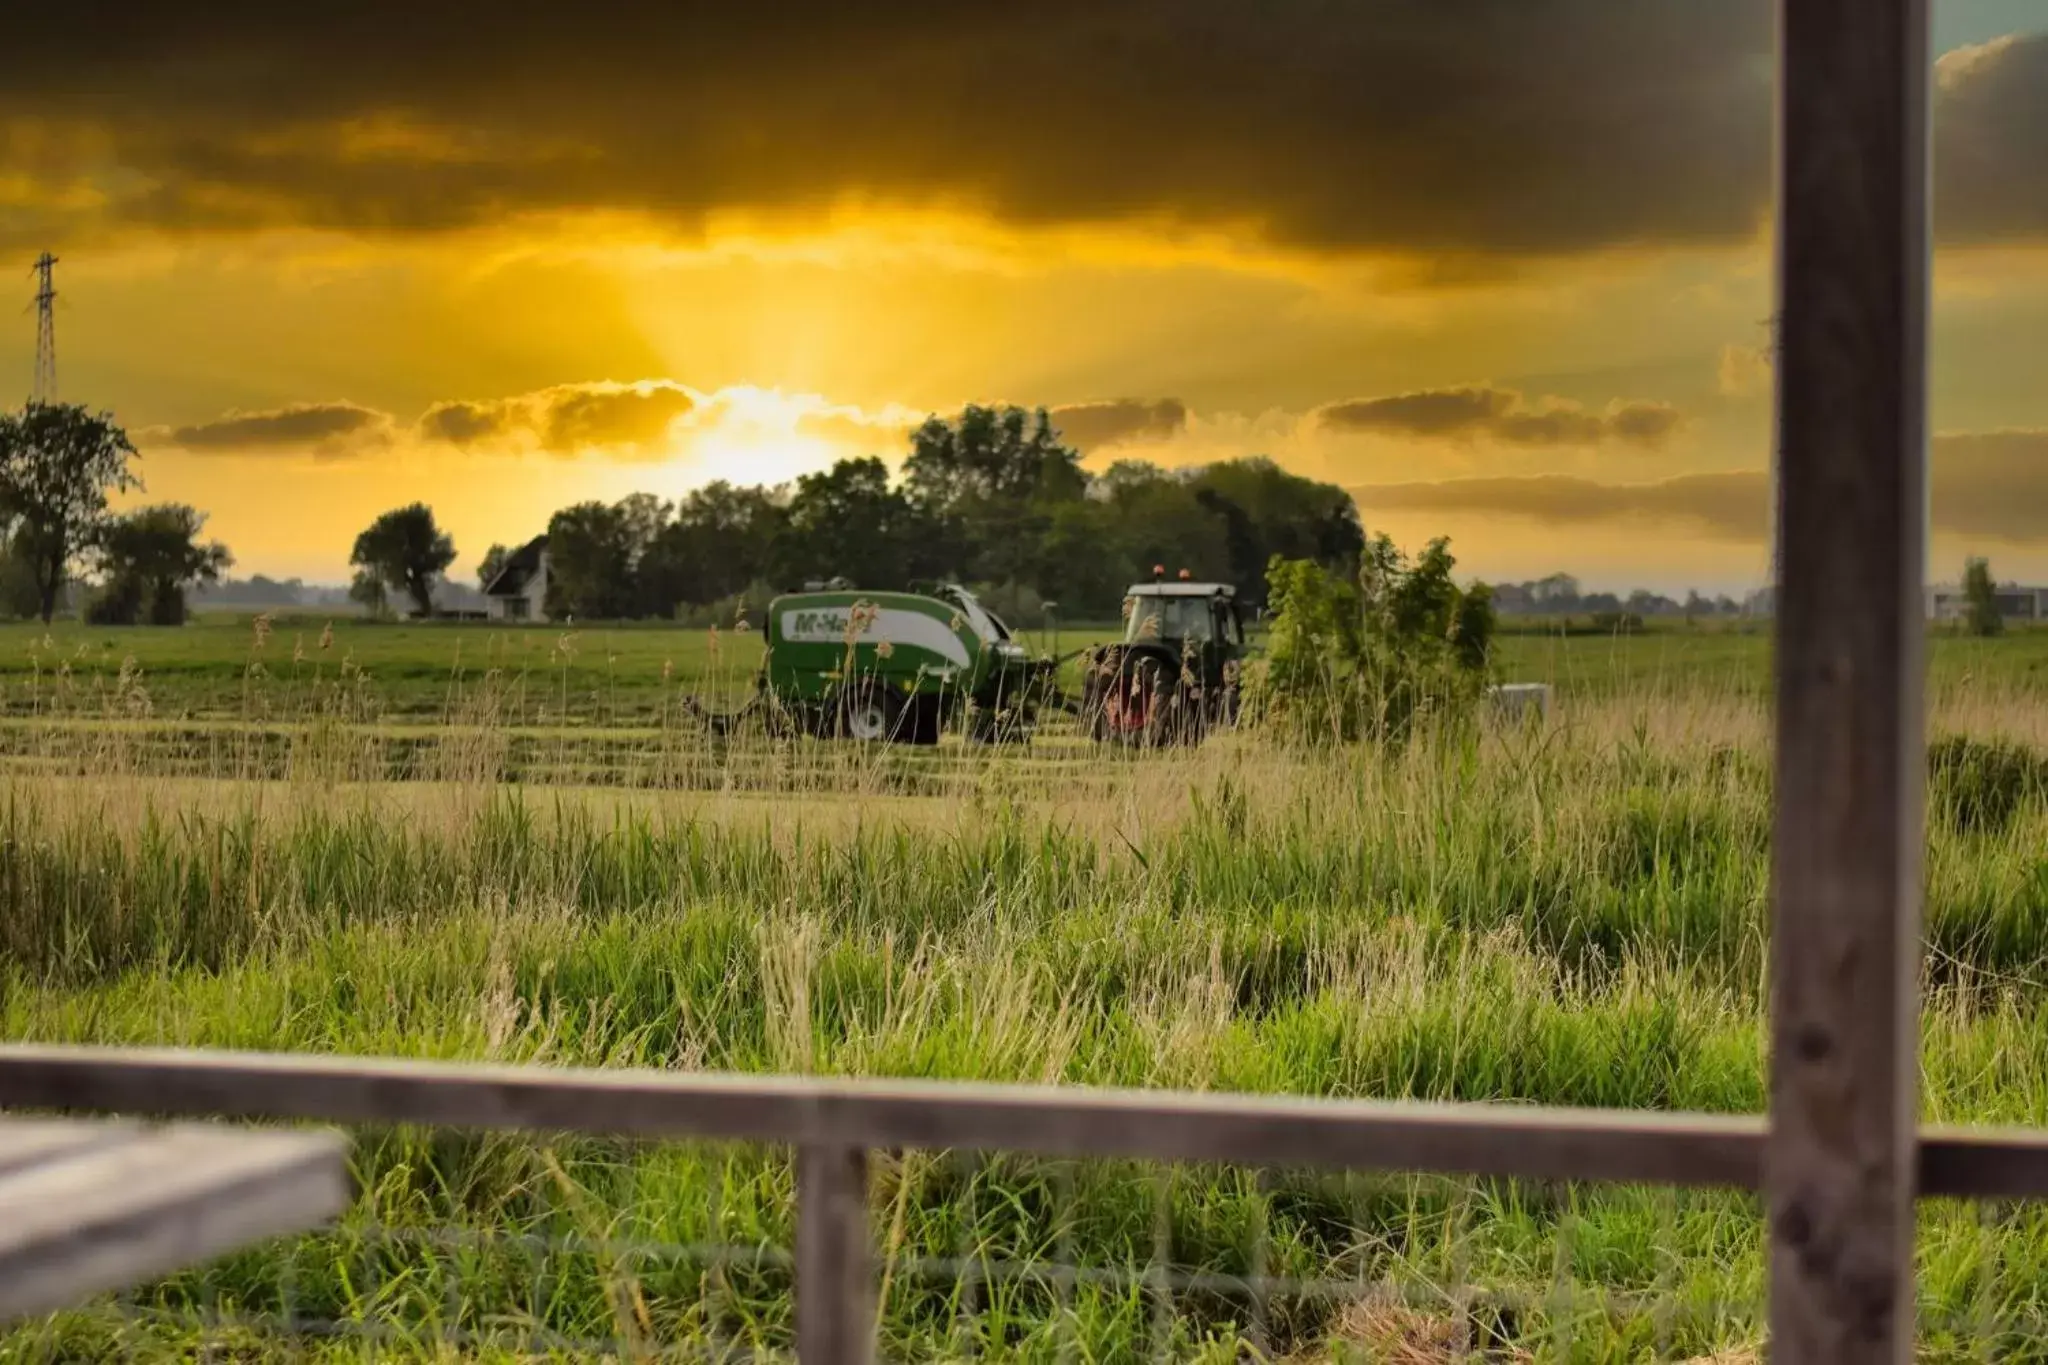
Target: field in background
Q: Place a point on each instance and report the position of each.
(422, 671)
(223, 666)
(579, 874)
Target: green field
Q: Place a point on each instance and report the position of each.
(216, 666)
(578, 874)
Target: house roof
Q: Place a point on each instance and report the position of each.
(519, 566)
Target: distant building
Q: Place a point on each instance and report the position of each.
(1946, 602)
(519, 591)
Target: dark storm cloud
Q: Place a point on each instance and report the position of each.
(1483, 128)
(1990, 486)
(1091, 426)
(1503, 415)
(326, 427)
(583, 418)
(1726, 506)
(463, 424)
(1427, 412)
(1991, 163)
(1489, 127)
(1644, 424)
(566, 419)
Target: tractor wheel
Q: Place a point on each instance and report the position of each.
(1134, 705)
(869, 714)
(988, 726)
(789, 720)
(922, 720)
(1190, 718)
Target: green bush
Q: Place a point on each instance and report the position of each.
(1346, 661)
(1981, 594)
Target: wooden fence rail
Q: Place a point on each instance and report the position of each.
(1531, 1142)
(833, 1124)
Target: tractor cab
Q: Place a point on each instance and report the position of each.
(1197, 614)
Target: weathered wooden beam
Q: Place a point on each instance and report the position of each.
(1505, 1140)
(1066, 1121)
(835, 1282)
(1983, 1163)
(26, 1143)
(1851, 448)
(117, 1204)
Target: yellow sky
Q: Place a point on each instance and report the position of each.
(349, 298)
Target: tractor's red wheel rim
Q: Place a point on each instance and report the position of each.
(1129, 706)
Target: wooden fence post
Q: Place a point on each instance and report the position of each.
(1852, 436)
(835, 1286)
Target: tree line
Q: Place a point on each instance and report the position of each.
(991, 498)
(1561, 595)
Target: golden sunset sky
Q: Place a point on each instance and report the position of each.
(1500, 266)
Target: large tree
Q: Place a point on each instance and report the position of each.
(642, 519)
(1085, 573)
(989, 482)
(407, 552)
(849, 521)
(151, 556)
(367, 590)
(720, 543)
(19, 596)
(1157, 519)
(58, 464)
(493, 562)
(590, 562)
(1267, 511)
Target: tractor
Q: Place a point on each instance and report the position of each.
(1174, 675)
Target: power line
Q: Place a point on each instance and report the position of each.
(46, 329)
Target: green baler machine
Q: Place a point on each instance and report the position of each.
(898, 666)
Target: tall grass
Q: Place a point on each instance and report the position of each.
(1569, 915)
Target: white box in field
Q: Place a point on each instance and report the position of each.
(1515, 700)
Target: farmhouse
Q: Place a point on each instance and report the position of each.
(519, 591)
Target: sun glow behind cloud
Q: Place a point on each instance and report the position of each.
(753, 439)
(749, 434)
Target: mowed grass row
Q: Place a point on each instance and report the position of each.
(682, 755)
(1571, 915)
